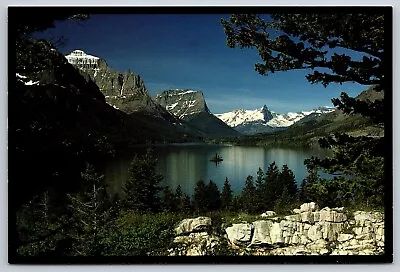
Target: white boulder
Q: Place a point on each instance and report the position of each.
(193, 225)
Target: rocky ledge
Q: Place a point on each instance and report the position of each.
(308, 231)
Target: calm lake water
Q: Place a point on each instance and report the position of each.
(185, 164)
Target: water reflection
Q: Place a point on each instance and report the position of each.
(186, 164)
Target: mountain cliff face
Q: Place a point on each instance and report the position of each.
(123, 90)
(263, 120)
(190, 106)
(182, 103)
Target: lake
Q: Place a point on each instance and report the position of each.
(185, 164)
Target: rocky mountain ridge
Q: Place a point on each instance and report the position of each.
(190, 106)
(182, 102)
(125, 91)
(307, 231)
(264, 120)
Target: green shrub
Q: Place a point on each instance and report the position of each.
(139, 235)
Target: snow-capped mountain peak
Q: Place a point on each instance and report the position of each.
(80, 58)
(240, 116)
(265, 117)
(182, 102)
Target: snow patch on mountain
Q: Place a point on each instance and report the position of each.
(186, 92)
(172, 106)
(182, 102)
(80, 58)
(24, 78)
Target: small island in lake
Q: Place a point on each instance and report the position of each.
(217, 158)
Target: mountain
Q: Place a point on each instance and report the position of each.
(308, 130)
(190, 106)
(126, 91)
(123, 90)
(263, 120)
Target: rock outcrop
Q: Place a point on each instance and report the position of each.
(193, 225)
(308, 231)
(240, 234)
(193, 237)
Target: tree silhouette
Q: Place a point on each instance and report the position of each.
(143, 186)
(213, 197)
(248, 194)
(312, 41)
(226, 196)
(200, 197)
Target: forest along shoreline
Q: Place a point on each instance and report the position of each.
(185, 164)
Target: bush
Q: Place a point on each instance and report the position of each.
(139, 235)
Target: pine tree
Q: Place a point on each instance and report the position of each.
(226, 196)
(169, 201)
(261, 191)
(179, 198)
(273, 188)
(89, 214)
(248, 195)
(307, 186)
(288, 180)
(283, 202)
(183, 202)
(143, 186)
(88, 204)
(200, 197)
(213, 197)
(187, 205)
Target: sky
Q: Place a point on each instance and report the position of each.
(189, 51)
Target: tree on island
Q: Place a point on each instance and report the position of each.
(309, 41)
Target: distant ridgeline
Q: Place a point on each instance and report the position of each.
(264, 120)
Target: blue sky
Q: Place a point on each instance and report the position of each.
(190, 52)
